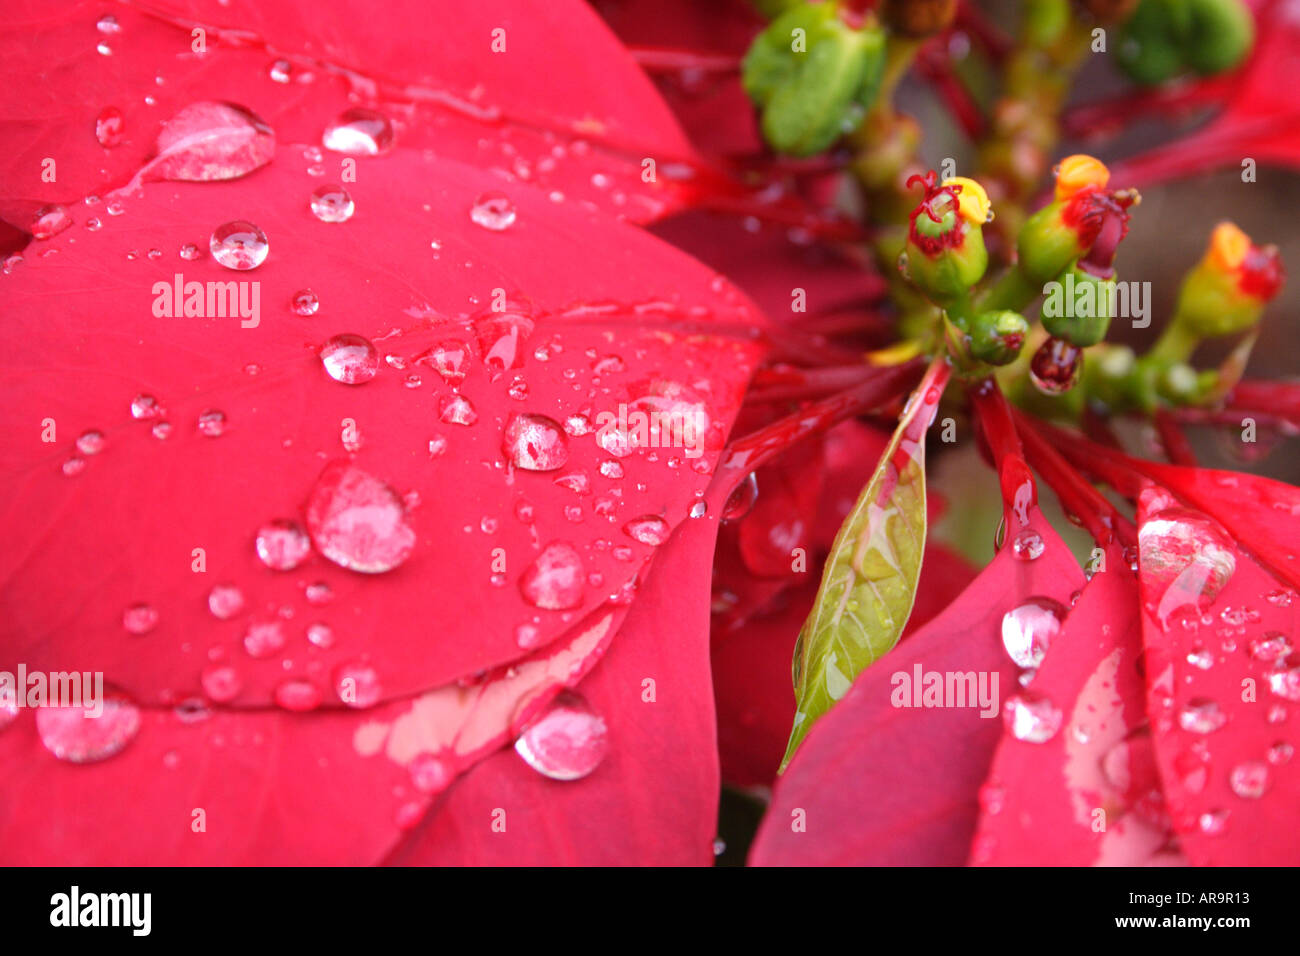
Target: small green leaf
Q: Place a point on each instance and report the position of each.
(869, 582)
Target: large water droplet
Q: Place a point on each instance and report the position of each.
(1187, 559)
(50, 221)
(648, 529)
(359, 132)
(556, 579)
(535, 443)
(282, 545)
(1285, 683)
(1201, 716)
(449, 359)
(73, 735)
(501, 337)
(209, 141)
(493, 210)
(457, 410)
(332, 204)
(239, 245)
(1028, 630)
(567, 742)
(350, 359)
(357, 521)
(110, 126)
(1271, 647)
(1031, 718)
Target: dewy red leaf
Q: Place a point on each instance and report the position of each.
(1221, 688)
(1089, 794)
(478, 83)
(876, 783)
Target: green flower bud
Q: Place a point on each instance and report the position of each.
(1225, 293)
(945, 255)
(1150, 45)
(997, 337)
(813, 76)
(1077, 307)
(1167, 37)
(1219, 36)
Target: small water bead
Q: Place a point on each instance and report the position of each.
(648, 529)
(73, 735)
(567, 742)
(320, 635)
(239, 245)
(305, 302)
(297, 695)
(90, 442)
(192, 711)
(108, 25)
(429, 774)
(457, 410)
(493, 211)
(535, 443)
(189, 252)
(94, 224)
(280, 71)
(145, 407)
(1276, 714)
(103, 49)
(350, 359)
(264, 638)
(1213, 822)
(282, 544)
(140, 619)
(1028, 630)
(1031, 718)
(110, 127)
(1028, 545)
(1280, 753)
(450, 359)
(8, 712)
(611, 468)
(1200, 657)
(225, 601)
(437, 446)
(698, 510)
(357, 685)
(161, 430)
(742, 499)
(358, 521)
(1273, 646)
(50, 221)
(528, 636)
(556, 578)
(359, 132)
(115, 208)
(1249, 780)
(332, 204)
(1285, 683)
(1201, 716)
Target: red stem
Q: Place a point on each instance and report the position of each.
(659, 59)
(1177, 448)
(1019, 493)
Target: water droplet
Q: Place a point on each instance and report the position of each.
(1213, 822)
(1271, 647)
(556, 578)
(1285, 683)
(50, 221)
(73, 466)
(742, 499)
(493, 210)
(280, 71)
(225, 601)
(110, 127)
(1031, 718)
(648, 529)
(357, 685)
(264, 638)
(320, 635)
(1200, 657)
(283, 545)
(239, 245)
(210, 142)
(567, 742)
(212, 423)
(437, 446)
(332, 204)
(429, 774)
(449, 359)
(359, 132)
(194, 710)
(698, 510)
(140, 618)
(90, 442)
(1249, 780)
(350, 359)
(528, 635)
(297, 695)
(1186, 558)
(161, 430)
(189, 252)
(1280, 753)
(457, 410)
(305, 302)
(1028, 545)
(1028, 630)
(8, 712)
(71, 734)
(1056, 367)
(501, 338)
(357, 521)
(535, 443)
(108, 24)
(1201, 716)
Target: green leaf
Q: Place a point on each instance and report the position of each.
(869, 582)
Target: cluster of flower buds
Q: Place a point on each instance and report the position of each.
(1165, 38)
(814, 74)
